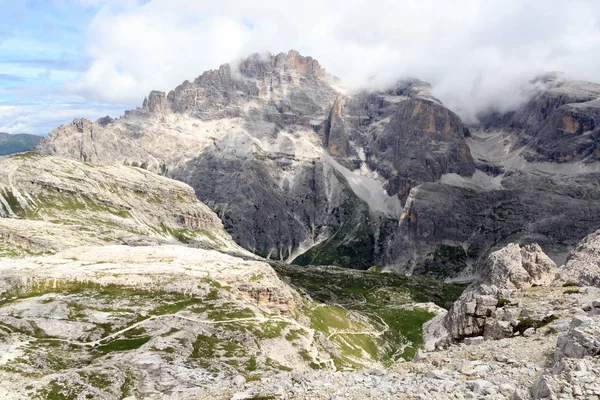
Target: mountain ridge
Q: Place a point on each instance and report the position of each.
(268, 131)
(17, 143)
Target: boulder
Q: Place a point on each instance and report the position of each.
(583, 264)
(582, 339)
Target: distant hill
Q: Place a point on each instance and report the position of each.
(10, 144)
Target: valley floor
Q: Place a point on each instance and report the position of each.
(171, 321)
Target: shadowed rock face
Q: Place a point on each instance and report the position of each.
(557, 125)
(422, 141)
(445, 229)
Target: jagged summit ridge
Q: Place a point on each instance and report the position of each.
(220, 93)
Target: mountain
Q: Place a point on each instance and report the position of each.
(299, 169)
(18, 143)
(558, 124)
(116, 282)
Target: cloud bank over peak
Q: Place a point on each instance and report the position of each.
(478, 55)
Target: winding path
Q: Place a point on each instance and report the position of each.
(135, 325)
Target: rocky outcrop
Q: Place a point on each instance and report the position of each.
(517, 321)
(576, 368)
(50, 203)
(487, 307)
(335, 141)
(581, 340)
(516, 267)
(156, 103)
(583, 264)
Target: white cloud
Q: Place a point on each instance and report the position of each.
(477, 54)
(41, 118)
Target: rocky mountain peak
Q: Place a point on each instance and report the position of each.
(156, 102)
(225, 91)
(274, 130)
(291, 62)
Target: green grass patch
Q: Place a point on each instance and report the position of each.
(251, 364)
(527, 323)
(175, 307)
(502, 302)
(293, 334)
(123, 345)
(271, 329)
(205, 346)
(327, 318)
(225, 314)
(570, 284)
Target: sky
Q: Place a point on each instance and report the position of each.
(66, 59)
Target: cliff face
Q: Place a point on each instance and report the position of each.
(422, 141)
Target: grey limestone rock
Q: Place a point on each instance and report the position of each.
(484, 309)
(583, 264)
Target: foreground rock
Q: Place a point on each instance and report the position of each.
(172, 322)
(583, 264)
(115, 321)
(518, 300)
(576, 370)
(493, 307)
(511, 368)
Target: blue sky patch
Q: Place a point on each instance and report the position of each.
(41, 48)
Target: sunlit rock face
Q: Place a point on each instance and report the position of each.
(49, 204)
(583, 264)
